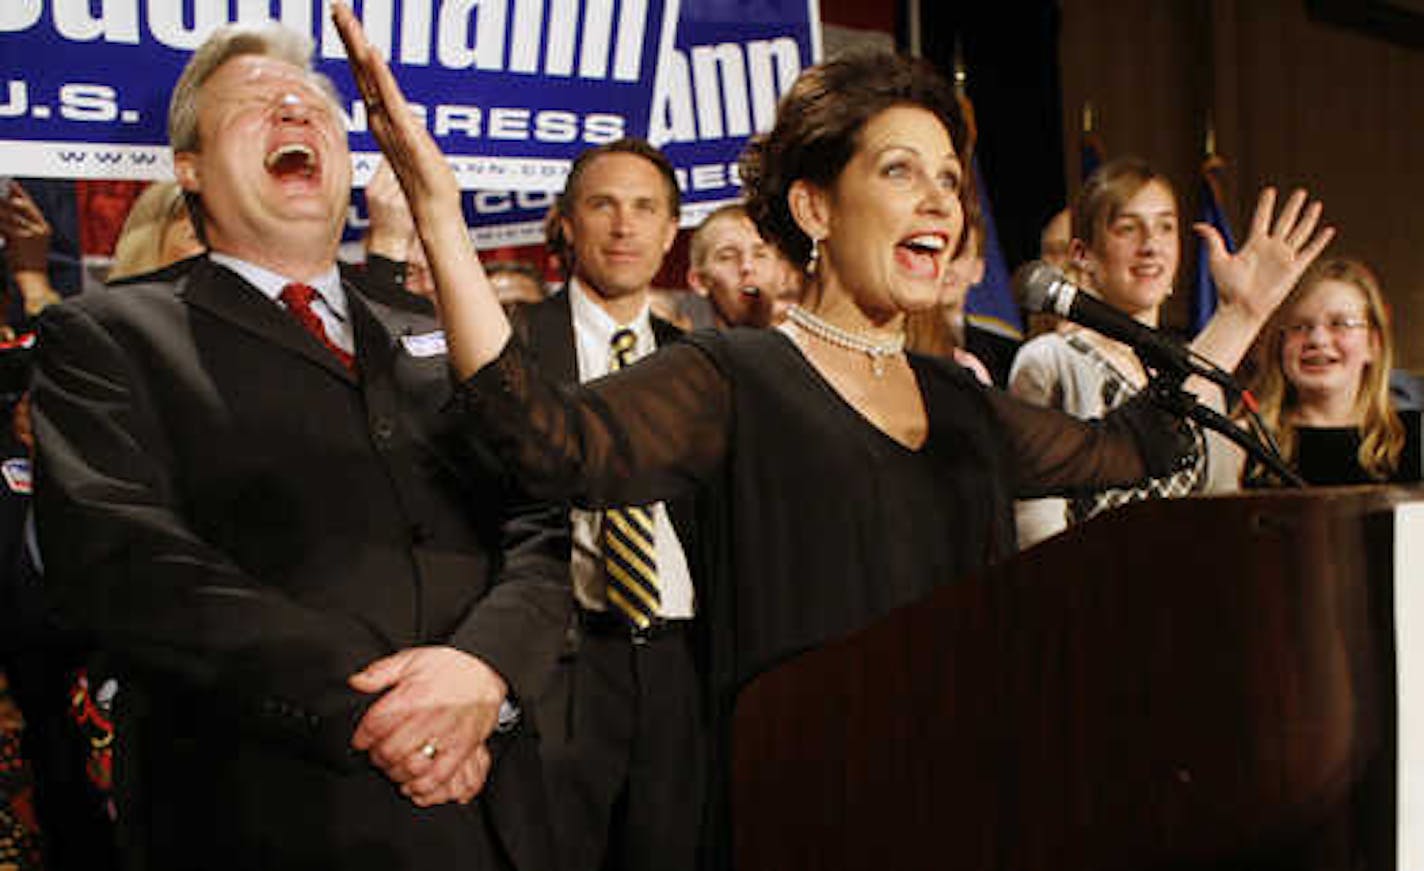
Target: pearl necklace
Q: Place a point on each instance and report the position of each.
(878, 350)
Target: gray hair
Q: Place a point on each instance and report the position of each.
(234, 40)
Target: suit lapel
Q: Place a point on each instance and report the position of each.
(551, 336)
(227, 296)
(664, 332)
(374, 327)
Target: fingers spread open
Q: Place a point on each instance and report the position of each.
(1216, 246)
(1286, 220)
(1300, 233)
(1318, 244)
(1261, 218)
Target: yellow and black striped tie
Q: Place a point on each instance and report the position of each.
(629, 560)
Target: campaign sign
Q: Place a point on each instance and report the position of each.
(512, 90)
(508, 87)
(732, 62)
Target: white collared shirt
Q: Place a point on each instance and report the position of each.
(593, 338)
(330, 304)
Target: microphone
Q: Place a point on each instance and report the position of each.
(1042, 287)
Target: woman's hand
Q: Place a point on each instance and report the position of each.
(27, 236)
(424, 174)
(1254, 280)
(26, 231)
(475, 326)
(1258, 276)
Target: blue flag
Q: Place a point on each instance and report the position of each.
(990, 305)
(1092, 154)
(1204, 291)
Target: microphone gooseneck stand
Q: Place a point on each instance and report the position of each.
(1165, 389)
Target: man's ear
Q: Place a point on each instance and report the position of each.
(1082, 257)
(566, 233)
(669, 235)
(694, 281)
(810, 208)
(185, 168)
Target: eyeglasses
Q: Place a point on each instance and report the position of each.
(1336, 326)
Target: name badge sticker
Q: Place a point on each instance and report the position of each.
(425, 344)
(16, 472)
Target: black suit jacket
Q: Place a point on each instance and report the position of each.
(379, 278)
(244, 524)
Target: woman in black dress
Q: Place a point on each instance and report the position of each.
(847, 477)
(1323, 382)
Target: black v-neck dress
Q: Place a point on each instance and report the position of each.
(817, 521)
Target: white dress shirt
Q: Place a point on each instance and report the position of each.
(330, 304)
(593, 337)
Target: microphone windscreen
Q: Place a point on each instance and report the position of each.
(1033, 283)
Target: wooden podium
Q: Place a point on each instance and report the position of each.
(1199, 683)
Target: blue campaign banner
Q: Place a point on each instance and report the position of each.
(511, 89)
(497, 219)
(732, 61)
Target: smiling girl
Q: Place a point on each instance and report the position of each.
(1127, 246)
(1323, 382)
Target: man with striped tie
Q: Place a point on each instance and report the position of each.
(621, 727)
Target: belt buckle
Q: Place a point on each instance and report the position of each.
(642, 635)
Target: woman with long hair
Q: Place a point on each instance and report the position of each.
(1322, 382)
(156, 233)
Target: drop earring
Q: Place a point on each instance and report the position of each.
(814, 262)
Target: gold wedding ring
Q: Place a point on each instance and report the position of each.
(430, 749)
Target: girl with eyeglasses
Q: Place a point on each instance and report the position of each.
(1322, 382)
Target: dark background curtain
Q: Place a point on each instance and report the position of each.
(1010, 52)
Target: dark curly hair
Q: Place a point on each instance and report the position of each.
(818, 126)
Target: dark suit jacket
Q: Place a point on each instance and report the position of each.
(243, 524)
(379, 278)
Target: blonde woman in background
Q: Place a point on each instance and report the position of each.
(1323, 383)
(157, 233)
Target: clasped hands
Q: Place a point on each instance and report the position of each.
(428, 730)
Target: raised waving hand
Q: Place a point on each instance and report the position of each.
(1266, 267)
(475, 325)
(1254, 280)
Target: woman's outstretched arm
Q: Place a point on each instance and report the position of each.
(650, 432)
(475, 326)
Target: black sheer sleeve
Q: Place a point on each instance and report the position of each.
(1054, 453)
(648, 433)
